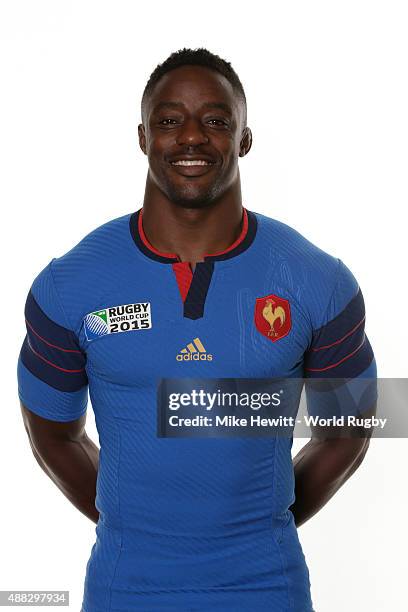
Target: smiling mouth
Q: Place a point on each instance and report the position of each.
(192, 168)
(191, 162)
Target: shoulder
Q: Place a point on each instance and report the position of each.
(69, 282)
(98, 245)
(320, 282)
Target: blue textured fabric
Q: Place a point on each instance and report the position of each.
(188, 524)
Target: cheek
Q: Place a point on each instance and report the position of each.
(155, 157)
(228, 147)
(157, 144)
(231, 158)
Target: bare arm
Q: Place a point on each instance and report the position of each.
(67, 456)
(321, 468)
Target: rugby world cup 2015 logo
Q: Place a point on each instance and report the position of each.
(116, 319)
(96, 324)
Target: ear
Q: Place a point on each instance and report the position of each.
(142, 137)
(246, 142)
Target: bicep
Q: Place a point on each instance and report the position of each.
(339, 365)
(52, 378)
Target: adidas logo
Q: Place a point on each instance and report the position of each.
(195, 351)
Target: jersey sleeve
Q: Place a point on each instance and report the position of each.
(51, 373)
(339, 365)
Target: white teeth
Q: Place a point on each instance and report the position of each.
(191, 162)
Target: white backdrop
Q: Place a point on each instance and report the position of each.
(327, 94)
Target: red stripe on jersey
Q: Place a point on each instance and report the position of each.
(49, 343)
(320, 348)
(184, 276)
(54, 365)
(333, 365)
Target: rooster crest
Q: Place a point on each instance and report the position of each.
(271, 314)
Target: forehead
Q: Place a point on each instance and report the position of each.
(193, 87)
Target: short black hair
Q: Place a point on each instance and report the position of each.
(195, 57)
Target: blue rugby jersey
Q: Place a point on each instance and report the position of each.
(188, 524)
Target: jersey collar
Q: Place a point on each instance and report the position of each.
(241, 244)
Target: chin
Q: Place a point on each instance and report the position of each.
(199, 200)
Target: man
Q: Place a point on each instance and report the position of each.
(192, 284)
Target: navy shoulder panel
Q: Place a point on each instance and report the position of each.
(51, 352)
(340, 348)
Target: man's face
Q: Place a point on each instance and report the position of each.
(193, 132)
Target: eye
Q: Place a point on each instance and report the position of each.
(167, 121)
(218, 122)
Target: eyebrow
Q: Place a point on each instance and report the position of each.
(220, 105)
(170, 104)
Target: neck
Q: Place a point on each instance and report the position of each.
(192, 233)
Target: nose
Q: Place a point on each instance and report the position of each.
(192, 133)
